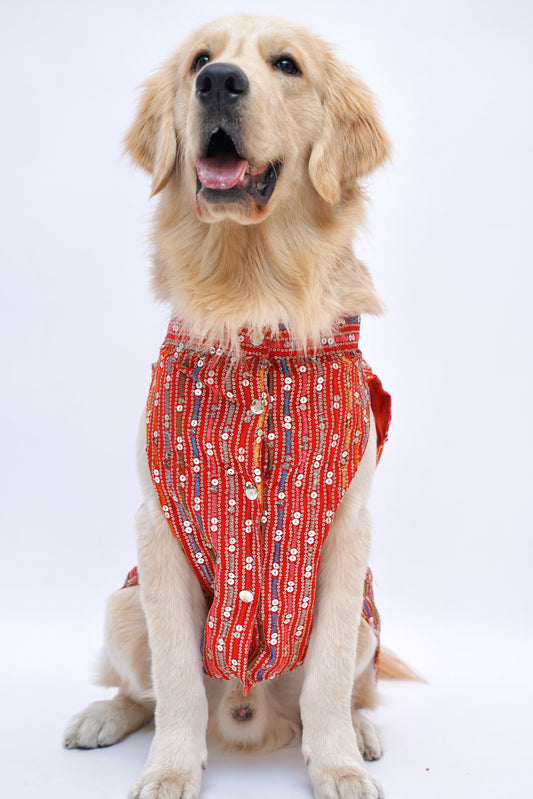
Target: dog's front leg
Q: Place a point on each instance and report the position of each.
(329, 745)
(174, 609)
(175, 614)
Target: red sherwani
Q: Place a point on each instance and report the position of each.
(251, 456)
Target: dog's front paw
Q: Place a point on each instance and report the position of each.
(344, 782)
(165, 783)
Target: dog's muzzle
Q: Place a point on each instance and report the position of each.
(224, 172)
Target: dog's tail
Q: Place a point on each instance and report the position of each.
(392, 668)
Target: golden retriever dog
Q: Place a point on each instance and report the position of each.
(257, 139)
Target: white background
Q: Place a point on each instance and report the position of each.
(448, 241)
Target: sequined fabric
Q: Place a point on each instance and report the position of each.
(250, 457)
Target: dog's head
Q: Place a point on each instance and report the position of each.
(247, 111)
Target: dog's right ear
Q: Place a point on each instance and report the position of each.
(152, 139)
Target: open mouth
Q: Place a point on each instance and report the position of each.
(225, 174)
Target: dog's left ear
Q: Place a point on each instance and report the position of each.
(353, 142)
(152, 139)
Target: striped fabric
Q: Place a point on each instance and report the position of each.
(251, 456)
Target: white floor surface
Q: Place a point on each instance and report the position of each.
(458, 736)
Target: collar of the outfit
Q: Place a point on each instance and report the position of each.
(274, 343)
(251, 456)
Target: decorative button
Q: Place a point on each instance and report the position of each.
(246, 596)
(257, 406)
(251, 491)
(256, 337)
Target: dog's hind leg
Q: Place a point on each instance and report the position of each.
(364, 694)
(106, 722)
(124, 663)
(329, 744)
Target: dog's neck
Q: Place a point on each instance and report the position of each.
(296, 268)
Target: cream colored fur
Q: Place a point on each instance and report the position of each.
(297, 266)
(222, 267)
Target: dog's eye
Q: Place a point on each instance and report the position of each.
(200, 61)
(287, 65)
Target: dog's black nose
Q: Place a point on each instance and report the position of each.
(220, 86)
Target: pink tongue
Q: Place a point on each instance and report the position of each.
(221, 171)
